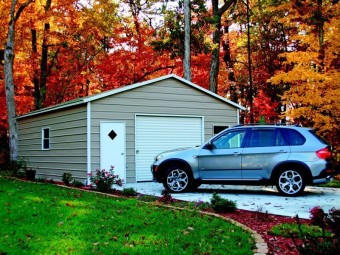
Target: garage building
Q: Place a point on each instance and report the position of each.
(124, 128)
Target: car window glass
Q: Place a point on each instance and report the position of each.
(294, 137)
(265, 138)
(280, 141)
(229, 140)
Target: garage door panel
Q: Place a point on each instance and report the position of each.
(155, 134)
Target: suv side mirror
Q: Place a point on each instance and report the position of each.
(209, 146)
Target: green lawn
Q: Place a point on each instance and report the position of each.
(332, 184)
(38, 218)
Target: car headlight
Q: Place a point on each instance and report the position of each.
(158, 157)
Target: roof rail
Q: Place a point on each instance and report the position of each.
(267, 124)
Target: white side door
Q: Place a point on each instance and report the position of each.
(112, 147)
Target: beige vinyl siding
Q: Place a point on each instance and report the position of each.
(168, 97)
(67, 151)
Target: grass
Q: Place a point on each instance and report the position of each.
(40, 218)
(333, 184)
(289, 229)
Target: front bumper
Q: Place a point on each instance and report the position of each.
(156, 176)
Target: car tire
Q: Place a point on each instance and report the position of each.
(195, 185)
(177, 180)
(290, 182)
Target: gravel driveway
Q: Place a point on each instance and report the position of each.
(257, 198)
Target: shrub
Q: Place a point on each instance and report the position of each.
(146, 198)
(130, 192)
(333, 221)
(77, 184)
(325, 245)
(103, 180)
(293, 229)
(199, 205)
(67, 178)
(166, 197)
(16, 168)
(222, 205)
(317, 216)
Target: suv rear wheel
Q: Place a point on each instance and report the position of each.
(290, 182)
(176, 179)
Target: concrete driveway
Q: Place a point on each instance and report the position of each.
(257, 198)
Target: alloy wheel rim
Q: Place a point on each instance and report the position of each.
(290, 182)
(177, 180)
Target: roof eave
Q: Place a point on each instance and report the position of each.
(52, 108)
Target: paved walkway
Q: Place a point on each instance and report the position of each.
(257, 198)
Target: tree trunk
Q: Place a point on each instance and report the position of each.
(230, 66)
(187, 32)
(36, 82)
(9, 81)
(9, 86)
(43, 67)
(215, 63)
(250, 95)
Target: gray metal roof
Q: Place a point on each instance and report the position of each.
(91, 98)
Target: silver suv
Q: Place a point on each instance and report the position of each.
(288, 157)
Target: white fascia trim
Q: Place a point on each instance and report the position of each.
(88, 141)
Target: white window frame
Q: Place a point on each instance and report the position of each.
(43, 138)
(221, 127)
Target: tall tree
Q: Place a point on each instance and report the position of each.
(187, 29)
(313, 73)
(9, 81)
(217, 13)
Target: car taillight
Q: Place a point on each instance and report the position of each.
(324, 153)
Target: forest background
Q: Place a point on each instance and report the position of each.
(280, 59)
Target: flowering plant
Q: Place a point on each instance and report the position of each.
(103, 180)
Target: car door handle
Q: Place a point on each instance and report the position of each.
(283, 151)
(236, 154)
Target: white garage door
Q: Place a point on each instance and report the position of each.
(155, 134)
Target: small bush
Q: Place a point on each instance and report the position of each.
(326, 244)
(77, 184)
(130, 192)
(289, 229)
(166, 197)
(67, 178)
(317, 216)
(199, 205)
(16, 168)
(146, 198)
(222, 205)
(333, 221)
(103, 180)
(41, 179)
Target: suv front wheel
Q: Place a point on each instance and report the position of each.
(176, 179)
(290, 182)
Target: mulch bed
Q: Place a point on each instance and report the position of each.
(261, 223)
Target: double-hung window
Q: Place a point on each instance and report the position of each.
(45, 139)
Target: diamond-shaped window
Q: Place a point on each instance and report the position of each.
(112, 134)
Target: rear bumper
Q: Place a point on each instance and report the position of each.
(323, 180)
(325, 176)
